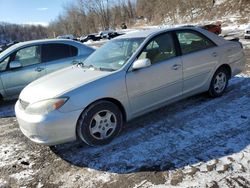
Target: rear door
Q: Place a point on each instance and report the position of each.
(58, 55)
(162, 81)
(14, 80)
(199, 57)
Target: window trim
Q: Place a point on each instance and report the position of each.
(196, 32)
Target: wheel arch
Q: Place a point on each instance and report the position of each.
(227, 67)
(1, 96)
(114, 101)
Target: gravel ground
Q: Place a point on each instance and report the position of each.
(197, 142)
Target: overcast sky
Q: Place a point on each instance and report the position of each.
(31, 11)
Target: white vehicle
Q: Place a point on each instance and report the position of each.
(247, 32)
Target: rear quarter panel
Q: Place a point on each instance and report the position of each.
(234, 56)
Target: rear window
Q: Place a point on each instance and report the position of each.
(51, 52)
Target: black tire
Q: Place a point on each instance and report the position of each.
(213, 92)
(1, 100)
(87, 122)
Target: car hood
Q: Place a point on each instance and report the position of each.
(59, 82)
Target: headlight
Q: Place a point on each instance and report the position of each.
(45, 106)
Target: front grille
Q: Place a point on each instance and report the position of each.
(23, 104)
(248, 32)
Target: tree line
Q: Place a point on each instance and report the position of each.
(82, 17)
(88, 16)
(14, 32)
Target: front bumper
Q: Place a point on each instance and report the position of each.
(50, 129)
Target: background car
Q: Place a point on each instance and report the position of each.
(4, 47)
(247, 32)
(216, 29)
(105, 34)
(70, 37)
(93, 37)
(26, 61)
(128, 76)
(114, 34)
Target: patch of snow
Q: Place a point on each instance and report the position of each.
(218, 2)
(25, 174)
(3, 183)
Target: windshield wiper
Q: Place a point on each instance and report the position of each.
(106, 69)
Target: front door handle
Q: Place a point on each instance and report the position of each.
(214, 54)
(39, 69)
(176, 66)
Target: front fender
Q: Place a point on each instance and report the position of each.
(112, 86)
(2, 91)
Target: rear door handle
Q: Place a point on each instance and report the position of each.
(39, 69)
(176, 66)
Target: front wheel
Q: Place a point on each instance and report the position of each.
(99, 123)
(219, 83)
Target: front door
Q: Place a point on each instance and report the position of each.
(14, 80)
(162, 81)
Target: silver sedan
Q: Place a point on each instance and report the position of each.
(26, 61)
(127, 77)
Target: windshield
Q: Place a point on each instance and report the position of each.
(114, 54)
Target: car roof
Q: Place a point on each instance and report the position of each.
(150, 32)
(47, 41)
(147, 32)
(42, 41)
(141, 33)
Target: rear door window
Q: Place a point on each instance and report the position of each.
(51, 52)
(191, 41)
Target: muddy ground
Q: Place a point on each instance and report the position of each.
(197, 142)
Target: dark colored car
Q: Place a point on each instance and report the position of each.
(114, 34)
(93, 36)
(5, 46)
(216, 29)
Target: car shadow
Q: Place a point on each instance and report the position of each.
(7, 109)
(197, 129)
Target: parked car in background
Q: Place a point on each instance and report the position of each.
(4, 47)
(105, 34)
(126, 77)
(247, 32)
(114, 34)
(216, 29)
(71, 37)
(93, 37)
(26, 61)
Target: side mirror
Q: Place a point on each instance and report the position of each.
(141, 63)
(15, 64)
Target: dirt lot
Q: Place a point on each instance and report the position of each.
(199, 142)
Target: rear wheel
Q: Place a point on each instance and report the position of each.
(99, 123)
(219, 82)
